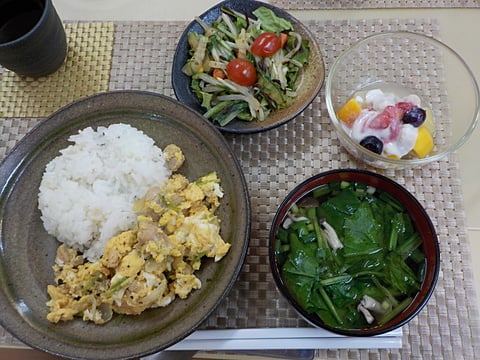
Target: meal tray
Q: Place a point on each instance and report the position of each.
(131, 55)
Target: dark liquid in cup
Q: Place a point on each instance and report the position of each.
(17, 19)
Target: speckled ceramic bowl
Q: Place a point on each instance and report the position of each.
(27, 252)
(314, 72)
(421, 221)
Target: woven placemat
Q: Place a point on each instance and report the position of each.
(86, 71)
(372, 4)
(275, 161)
(273, 164)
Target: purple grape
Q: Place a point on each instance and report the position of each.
(373, 144)
(415, 116)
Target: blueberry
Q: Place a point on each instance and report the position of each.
(372, 143)
(415, 116)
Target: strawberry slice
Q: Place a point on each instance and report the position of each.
(386, 117)
(387, 123)
(405, 106)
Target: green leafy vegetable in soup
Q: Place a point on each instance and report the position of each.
(350, 254)
(246, 67)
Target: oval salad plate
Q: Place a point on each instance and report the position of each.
(314, 72)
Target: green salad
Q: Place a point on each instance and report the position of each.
(245, 67)
(350, 254)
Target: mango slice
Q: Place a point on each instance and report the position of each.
(349, 112)
(424, 143)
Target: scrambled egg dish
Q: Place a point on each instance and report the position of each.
(150, 265)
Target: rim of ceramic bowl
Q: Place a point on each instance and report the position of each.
(419, 301)
(391, 161)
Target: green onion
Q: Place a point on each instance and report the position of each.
(91, 282)
(330, 305)
(312, 216)
(322, 190)
(398, 226)
(119, 285)
(336, 280)
(395, 311)
(389, 199)
(408, 247)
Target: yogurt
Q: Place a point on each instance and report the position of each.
(387, 124)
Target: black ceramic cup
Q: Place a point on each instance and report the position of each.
(32, 37)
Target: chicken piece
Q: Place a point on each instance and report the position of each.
(117, 247)
(184, 284)
(67, 256)
(147, 231)
(156, 267)
(129, 304)
(174, 157)
(150, 205)
(142, 293)
(154, 242)
(152, 193)
(99, 314)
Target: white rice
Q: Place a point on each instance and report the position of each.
(87, 193)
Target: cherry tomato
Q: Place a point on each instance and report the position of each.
(242, 72)
(266, 44)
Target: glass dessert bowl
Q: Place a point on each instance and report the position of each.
(373, 86)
